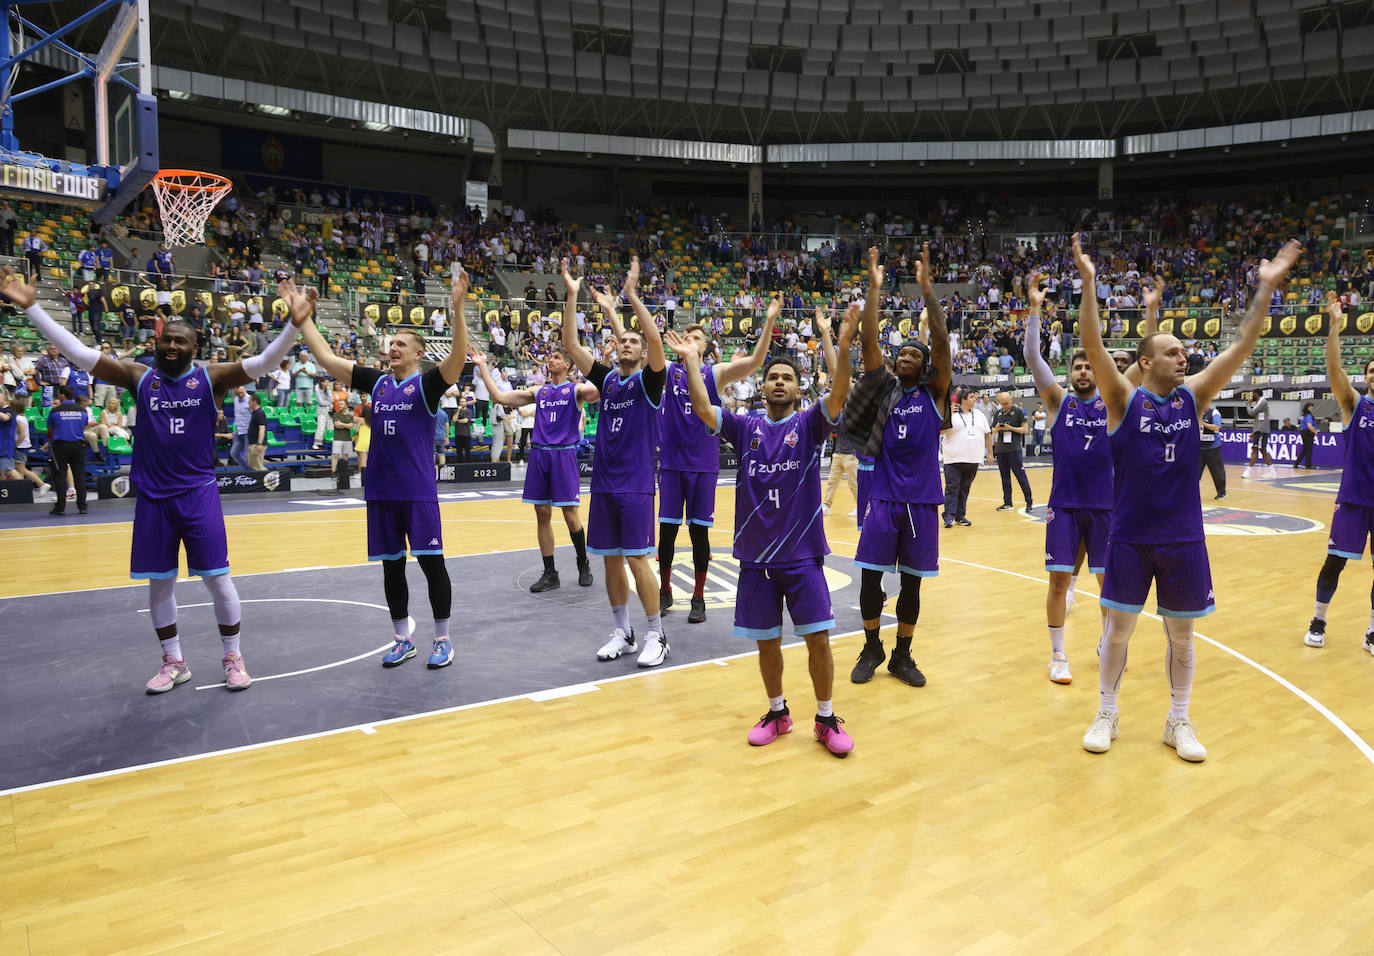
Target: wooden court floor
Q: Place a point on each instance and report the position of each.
(636, 819)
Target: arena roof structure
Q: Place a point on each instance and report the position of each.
(767, 72)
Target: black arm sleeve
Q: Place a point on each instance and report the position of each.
(364, 379)
(654, 383)
(433, 385)
(597, 375)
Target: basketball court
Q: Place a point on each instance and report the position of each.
(531, 797)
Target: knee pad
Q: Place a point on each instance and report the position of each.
(1330, 574)
(226, 599)
(162, 602)
(871, 594)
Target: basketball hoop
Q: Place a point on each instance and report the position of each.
(185, 199)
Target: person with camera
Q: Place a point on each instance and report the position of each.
(967, 444)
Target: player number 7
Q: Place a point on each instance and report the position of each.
(1087, 442)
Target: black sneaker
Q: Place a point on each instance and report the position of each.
(905, 670)
(584, 575)
(1006, 507)
(949, 522)
(1030, 506)
(1369, 642)
(665, 599)
(869, 659)
(698, 612)
(964, 522)
(58, 512)
(1316, 634)
(547, 582)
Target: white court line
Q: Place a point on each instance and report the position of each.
(1318, 706)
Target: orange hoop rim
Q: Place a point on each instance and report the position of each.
(168, 177)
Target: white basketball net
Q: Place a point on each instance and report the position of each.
(185, 201)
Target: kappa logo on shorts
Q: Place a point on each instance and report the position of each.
(434, 542)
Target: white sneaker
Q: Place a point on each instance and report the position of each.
(71, 494)
(618, 644)
(1316, 634)
(1271, 472)
(1180, 734)
(1104, 730)
(655, 650)
(43, 489)
(1059, 669)
(1247, 473)
(825, 508)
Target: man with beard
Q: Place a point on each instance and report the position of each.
(620, 518)
(779, 529)
(1156, 529)
(1079, 512)
(901, 416)
(174, 471)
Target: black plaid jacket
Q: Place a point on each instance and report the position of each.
(870, 403)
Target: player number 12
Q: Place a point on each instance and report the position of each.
(177, 426)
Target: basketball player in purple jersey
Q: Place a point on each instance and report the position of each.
(779, 530)
(620, 519)
(1078, 516)
(174, 471)
(1353, 520)
(401, 494)
(1156, 528)
(689, 459)
(551, 478)
(900, 416)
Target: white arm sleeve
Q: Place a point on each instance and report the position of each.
(1039, 368)
(77, 352)
(257, 366)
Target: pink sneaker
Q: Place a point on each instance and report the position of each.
(829, 733)
(774, 724)
(171, 673)
(235, 675)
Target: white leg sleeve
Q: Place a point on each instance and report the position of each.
(226, 598)
(162, 602)
(1178, 661)
(1111, 656)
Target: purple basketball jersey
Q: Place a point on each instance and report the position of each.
(1082, 455)
(908, 468)
(1357, 457)
(626, 434)
(401, 457)
(686, 444)
(1155, 449)
(778, 490)
(174, 433)
(556, 417)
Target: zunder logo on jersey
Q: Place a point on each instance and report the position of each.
(1145, 422)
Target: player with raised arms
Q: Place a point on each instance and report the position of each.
(401, 494)
(779, 530)
(173, 469)
(1156, 529)
(551, 477)
(620, 518)
(689, 458)
(900, 416)
(1352, 522)
(1078, 516)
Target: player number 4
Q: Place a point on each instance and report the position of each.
(774, 497)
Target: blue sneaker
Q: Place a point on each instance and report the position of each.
(442, 655)
(400, 652)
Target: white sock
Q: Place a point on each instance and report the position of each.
(825, 708)
(1320, 612)
(1178, 661)
(172, 647)
(230, 642)
(621, 613)
(441, 630)
(401, 628)
(1073, 583)
(1057, 639)
(776, 703)
(656, 623)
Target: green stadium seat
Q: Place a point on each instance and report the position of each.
(119, 446)
(273, 441)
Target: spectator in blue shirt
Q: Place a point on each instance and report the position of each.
(1307, 428)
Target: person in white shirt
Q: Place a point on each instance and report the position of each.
(436, 321)
(966, 443)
